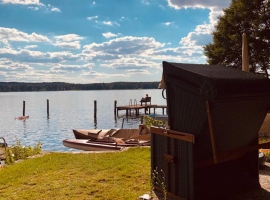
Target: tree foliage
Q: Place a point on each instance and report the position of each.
(243, 16)
(59, 86)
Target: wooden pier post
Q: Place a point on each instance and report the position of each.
(23, 108)
(95, 109)
(115, 105)
(48, 107)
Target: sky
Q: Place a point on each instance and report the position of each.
(95, 41)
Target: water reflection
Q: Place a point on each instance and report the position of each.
(95, 123)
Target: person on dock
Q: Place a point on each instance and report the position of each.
(144, 98)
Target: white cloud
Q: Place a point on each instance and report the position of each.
(201, 36)
(123, 46)
(109, 35)
(71, 41)
(12, 34)
(202, 33)
(96, 77)
(137, 72)
(110, 23)
(23, 2)
(54, 9)
(72, 68)
(94, 3)
(68, 45)
(93, 17)
(215, 6)
(167, 23)
(26, 55)
(8, 65)
(122, 18)
(6, 43)
(129, 63)
(68, 37)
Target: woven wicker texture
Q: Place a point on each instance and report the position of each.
(238, 104)
(178, 175)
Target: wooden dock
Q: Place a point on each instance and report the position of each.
(136, 108)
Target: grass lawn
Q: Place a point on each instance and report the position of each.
(121, 175)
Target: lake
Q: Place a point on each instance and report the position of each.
(68, 110)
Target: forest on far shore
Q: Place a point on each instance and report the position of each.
(60, 86)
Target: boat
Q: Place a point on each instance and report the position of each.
(116, 133)
(104, 144)
(109, 140)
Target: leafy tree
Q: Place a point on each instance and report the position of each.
(243, 16)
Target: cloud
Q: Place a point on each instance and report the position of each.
(131, 63)
(96, 77)
(54, 9)
(26, 55)
(71, 41)
(32, 4)
(167, 23)
(124, 45)
(93, 17)
(8, 65)
(72, 68)
(109, 35)
(110, 23)
(215, 6)
(23, 2)
(201, 36)
(12, 34)
(137, 72)
(202, 33)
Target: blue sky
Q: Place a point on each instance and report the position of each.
(86, 41)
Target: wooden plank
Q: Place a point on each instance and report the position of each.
(173, 134)
(231, 154)
(211, 131)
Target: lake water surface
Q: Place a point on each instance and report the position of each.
(68, 110)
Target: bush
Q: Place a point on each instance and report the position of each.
(149, 121)
(18, 152)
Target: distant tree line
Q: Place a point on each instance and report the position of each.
(60, 86)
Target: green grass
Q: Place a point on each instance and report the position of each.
(121, 175)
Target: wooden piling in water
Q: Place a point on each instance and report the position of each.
(48, 106)
(115, 105)
(23, 108)
(95, 109)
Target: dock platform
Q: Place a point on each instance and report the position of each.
(137, 107)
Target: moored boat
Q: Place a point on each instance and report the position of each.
(116, 133)
(106, 144)
(109, 140)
